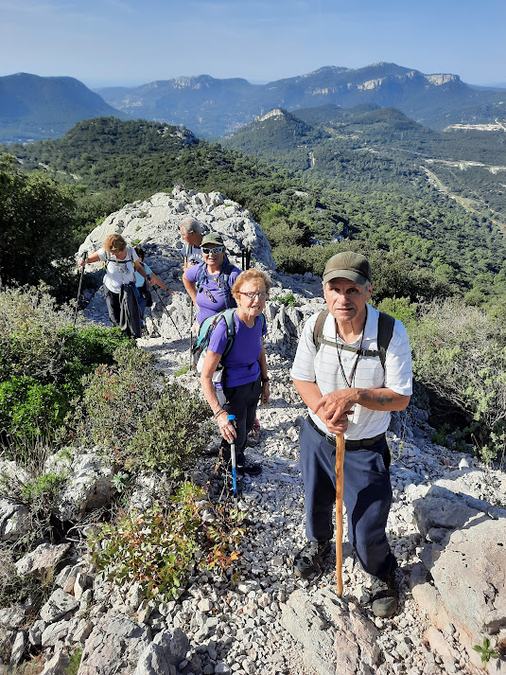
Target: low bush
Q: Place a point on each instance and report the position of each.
(29, 410)
(171, 434)
(129, 409)
(288, 300)
(116, 399)
(161, 547)
(460, 353)
(43, 359)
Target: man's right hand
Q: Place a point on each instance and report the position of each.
(338, 427)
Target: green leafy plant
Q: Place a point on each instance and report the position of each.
(288, 300)
(44, 487)
(156, 548)
(486, 651)
(160, 547)
(181, 371)
(460, 354)
(29, 409)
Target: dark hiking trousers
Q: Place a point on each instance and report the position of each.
(113, 307)
(130, 318)
(242, 402)
(367, 497)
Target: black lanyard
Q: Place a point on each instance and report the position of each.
(339, 349)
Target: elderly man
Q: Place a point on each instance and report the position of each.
(191, 231)
(351, 369)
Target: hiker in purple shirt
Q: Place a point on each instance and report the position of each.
(209, 283)
(245, 379)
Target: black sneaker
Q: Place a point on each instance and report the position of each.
(250, 468)
(384, 597)
(309, 560)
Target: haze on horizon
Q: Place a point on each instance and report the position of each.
(127, 42)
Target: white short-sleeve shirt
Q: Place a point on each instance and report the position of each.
(323, 368)
(118, 272)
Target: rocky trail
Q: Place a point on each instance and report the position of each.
(446, 525)
(273, 622)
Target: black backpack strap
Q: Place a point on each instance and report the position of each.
(318, 328)
(386, 325)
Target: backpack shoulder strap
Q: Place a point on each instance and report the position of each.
(318, 328)
(201, 276)
(229, 316)
(386, 325)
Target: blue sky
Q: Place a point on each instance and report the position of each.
(104, 42)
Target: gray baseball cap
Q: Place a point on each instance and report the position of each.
(348, 265)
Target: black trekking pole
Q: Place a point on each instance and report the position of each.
(168, 313)
(84, 256)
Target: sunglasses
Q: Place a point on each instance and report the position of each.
(214, 250)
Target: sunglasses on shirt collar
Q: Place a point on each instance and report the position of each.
(215, 249)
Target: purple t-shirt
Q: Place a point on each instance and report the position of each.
(215, 295)
(241, 364)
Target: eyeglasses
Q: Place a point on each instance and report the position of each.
(215, 250)
(261, 295)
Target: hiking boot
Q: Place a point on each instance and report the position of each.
(250, 468)
(254, 435)
(310, 560)
(384, 597)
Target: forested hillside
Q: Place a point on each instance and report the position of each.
(383, 204)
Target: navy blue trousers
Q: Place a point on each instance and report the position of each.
(367, 497)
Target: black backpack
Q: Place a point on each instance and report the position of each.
(385, 331)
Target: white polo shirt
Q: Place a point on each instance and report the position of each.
(323, 368)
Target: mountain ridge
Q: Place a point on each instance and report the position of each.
(34, 107)
(434, 99)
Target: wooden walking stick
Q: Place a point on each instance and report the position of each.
(339, 511)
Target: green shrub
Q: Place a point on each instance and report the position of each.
(44, 487)
(29, 409)
(288, 300)
(400, 308)
(130, 409)
(156, 548)
(460, 353)
(171, 434)
(160, 547)
(117, 398)
(43, 359)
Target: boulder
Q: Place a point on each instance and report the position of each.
(44, 557)
(57, 664)
(58, 605)
(163, 654)
(14, 520)
(13, 616)
(337, 638)
(88, 486)
(117, 640)
(470, 575)
(469, 582)
(156, 221)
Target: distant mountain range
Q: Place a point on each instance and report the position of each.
(212, 107)
(33, 107)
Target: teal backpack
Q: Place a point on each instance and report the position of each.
(207, 326)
